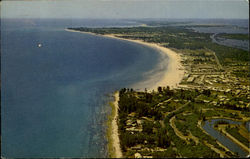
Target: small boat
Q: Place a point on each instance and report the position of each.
(39, 45)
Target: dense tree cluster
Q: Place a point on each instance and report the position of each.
(155, 128)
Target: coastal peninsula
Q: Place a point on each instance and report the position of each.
(202, 83)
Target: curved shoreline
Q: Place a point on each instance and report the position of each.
(174, 72)
(171, 77)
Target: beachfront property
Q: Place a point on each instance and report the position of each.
(174, 122)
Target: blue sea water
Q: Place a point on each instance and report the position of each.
(54, 98)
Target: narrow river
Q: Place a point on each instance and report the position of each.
(240, 44)
(208, 127)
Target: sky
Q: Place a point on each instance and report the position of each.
(125, 9)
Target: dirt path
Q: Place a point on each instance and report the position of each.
(221, 153)
(177, 132)
(180, 134)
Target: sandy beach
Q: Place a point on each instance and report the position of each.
(115, 135)
(174, 71)
(171, 77)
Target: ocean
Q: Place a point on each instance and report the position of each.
(55, 97)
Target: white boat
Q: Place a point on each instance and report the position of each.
(39, 45)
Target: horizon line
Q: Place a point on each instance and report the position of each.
(129, 18)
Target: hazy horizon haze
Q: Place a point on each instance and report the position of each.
(126, 9)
